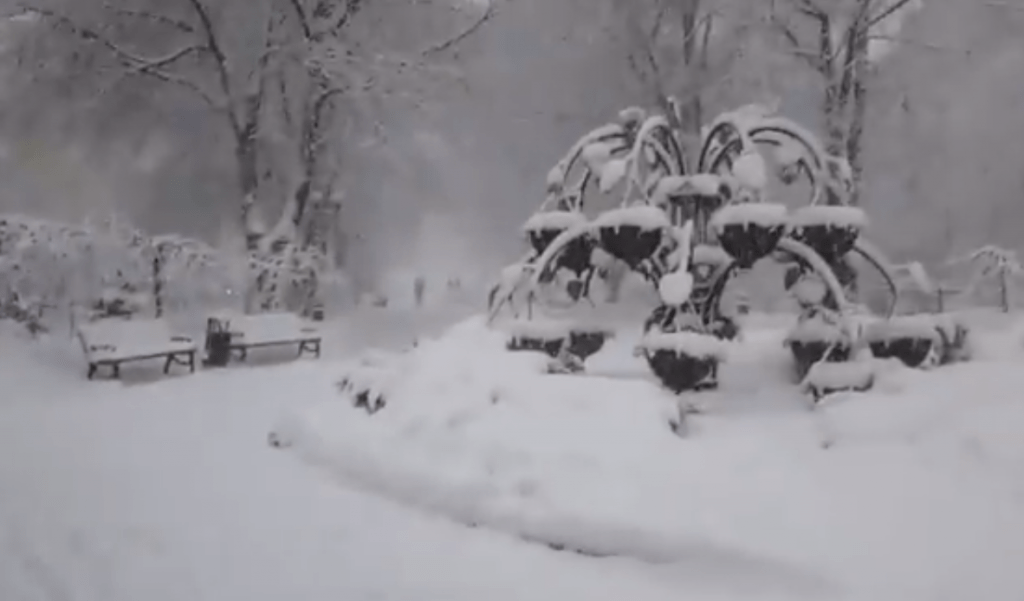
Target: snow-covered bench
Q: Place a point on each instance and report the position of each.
(272, 329)
(111, 342)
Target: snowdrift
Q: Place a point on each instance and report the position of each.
(908, 491)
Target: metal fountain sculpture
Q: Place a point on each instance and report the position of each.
(690, 224)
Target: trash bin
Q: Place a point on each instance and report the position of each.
(218, 343)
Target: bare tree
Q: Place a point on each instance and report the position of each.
(835, 39)
(682, 49)
(276, 74)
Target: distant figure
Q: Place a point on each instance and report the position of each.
(419, 289)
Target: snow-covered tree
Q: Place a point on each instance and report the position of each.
(992, 264)
(285, 80)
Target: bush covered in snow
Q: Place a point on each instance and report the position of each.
(108, 268)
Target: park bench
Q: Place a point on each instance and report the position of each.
(111, 342)
(269, 329)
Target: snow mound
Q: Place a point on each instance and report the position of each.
(907, 491)
(827, 376)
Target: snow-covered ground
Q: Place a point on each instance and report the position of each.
(169, 490)
(912, 491)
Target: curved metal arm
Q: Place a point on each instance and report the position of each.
(604, 133)
(784, 127)
(814, 260)
(643, 137)
(766, 130)
(881, 263)
(714, 300)
(721, 128)
(555, 247)
(496, 303)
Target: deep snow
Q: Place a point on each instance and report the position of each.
(169, 490)
(911, 491)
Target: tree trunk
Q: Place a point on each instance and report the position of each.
(831, 110)
(158, 283)
(246, 156)
(691, 109)
(855, 137)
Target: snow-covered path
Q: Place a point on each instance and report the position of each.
(169, 491)
(154, 496)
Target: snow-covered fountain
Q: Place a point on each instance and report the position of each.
(688, 225)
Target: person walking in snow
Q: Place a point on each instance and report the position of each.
(419, 289)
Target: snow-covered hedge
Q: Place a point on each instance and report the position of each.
(58, 265)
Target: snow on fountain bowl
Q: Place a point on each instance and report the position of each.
(542, 228)
(632, 234)
(749, 231)
(910, 338)
(683, 360)
(832, 231)
(815, 339)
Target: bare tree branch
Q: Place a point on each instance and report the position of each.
(484, 18)
(220, 60)
(217, 106)
(157, 63)
(300, 13)
(351, 8)
(135, 64)
(796, 48)
(886, 13)
(811, 9)
(150, 16)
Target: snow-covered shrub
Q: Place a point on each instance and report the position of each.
(109, 268)
(992, 265)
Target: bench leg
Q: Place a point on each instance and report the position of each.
(167, 364)
(92, 371)
(310, 346)
(115, 371)
(192, 362)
